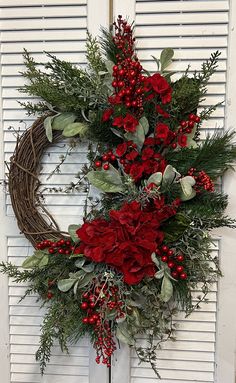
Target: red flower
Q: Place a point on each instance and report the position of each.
(130, 123)
(159, 83)
(162, 111)
(118, 121)
(107, 114)
(162, 131)
(127, 240)
(132, 155)
(182, 140)
(136, 171)
(149, 141)
(147, 153)
(121, 149)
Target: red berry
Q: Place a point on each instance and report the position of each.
(183, 124)
(179, 269)
(85, 295)
(114, 84)
(192, 117)
(197, 119)
(61, 242)
(49, 295)
(165, 248)
(113, 157)
(128, 104)
(188, 130)
(92, 305)
(91, 320)
(183, 276)
(121, 72)
(39, 246)
(85, 320)
(51, 250)
(171, 264)
(106, 166)
(105, 157)
(115, 68)
(121, 84)
(164, 258)
(170, 253)
(180, 258)
(61, 251)
(174, 145)
(84, 305)
(191, 124)
(98, 164)
(174, 274)
(134, 104)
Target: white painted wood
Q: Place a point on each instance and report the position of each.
(226, 337)
(57, 26)
(194, 29)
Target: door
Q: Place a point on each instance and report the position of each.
(205, 350)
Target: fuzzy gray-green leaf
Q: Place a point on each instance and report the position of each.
(48, 127)
(62, 120)
(166, 289)
(109, 181)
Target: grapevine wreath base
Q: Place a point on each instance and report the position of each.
(145, 243)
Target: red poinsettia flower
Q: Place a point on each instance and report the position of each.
(107, 114)
(130, 123)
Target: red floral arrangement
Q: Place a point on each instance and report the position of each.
(145, 244)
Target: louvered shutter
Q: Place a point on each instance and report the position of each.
(58, 27)
(194, 29)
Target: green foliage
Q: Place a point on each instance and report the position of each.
(215, 155)
(109, 181)
(94, 55)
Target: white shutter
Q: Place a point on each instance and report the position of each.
(194, 29)
(58, 27)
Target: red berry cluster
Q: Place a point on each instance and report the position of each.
(105, 344)
(105, 160)
(62, 246)
(88, 304)
(203, 181)
(51, 283)
(127, 77)
(173, 261)
(100, 300)
(186, 127)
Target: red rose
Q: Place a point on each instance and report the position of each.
(166, 98)
(107, 114)
(182, 140)
(121, 149)
(162, 131)
(159, 83)
(118, 121)
(130, 123)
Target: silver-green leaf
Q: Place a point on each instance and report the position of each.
(65, 285)
(166, 289)
(72, 231)
(75, 128)
(155, 178)
(48, 127)
(109, 181)
(38, 259)
(62, 120)
(166, 58)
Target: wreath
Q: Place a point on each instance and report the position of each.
(145, 243)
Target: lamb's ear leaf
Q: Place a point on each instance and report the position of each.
(166, 58)
(166, 289)
(109, 181)
(62, 120)
(65, 285)
(48, 127)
